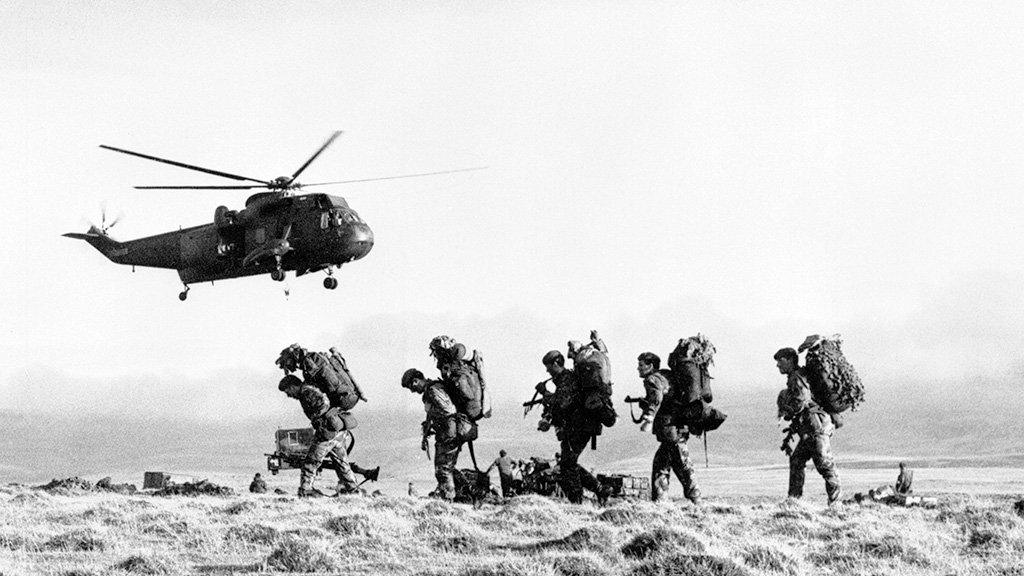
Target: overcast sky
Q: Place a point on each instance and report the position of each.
(755, 171)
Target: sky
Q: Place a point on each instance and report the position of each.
(754, 171)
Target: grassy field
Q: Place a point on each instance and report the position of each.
(87, 533)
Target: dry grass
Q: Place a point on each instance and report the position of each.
(99, 534)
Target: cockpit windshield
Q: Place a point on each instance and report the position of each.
(340, 217)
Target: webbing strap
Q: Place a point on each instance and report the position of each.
(472, 455)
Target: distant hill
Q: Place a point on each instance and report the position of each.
(922, 424)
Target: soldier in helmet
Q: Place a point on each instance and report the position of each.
(329, 439)
(672, 454)
(811, 424)
(565, 411)
(449, 428)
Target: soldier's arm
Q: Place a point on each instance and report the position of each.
(799, 396)
(655, 387)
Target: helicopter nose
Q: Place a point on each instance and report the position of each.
(360, 241)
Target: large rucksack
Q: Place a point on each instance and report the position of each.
(330, 374)
(691, 385)
(468, 389)
(593, 371)
(834, 383)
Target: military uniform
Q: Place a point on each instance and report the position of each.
(814, 427)
(450, 430)
(574, 432)
(326, 441)
(672, 454)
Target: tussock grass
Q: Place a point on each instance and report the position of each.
(293, 554)
(114, 534)
(662, 541)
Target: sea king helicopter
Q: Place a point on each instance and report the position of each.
(279, 230)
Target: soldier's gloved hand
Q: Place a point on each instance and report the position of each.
(645, 424)
(424, 444)
(541, 388)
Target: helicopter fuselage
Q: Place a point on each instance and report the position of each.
(275, 232)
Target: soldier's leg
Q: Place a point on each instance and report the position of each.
(661, 470)
(797, 464)
(446, 456)
(318, 450)
(569, 472)
(826, 466)
(683, 468)
(587, 480)
(346, 479)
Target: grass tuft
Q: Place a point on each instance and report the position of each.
(770, 558)
(661, 541)
(350, 525)
(296, 555)
(594, 537)
(240, 507)
(145, 565)
(580, 565)
(252, 534)
(76, 541)
(689, 565)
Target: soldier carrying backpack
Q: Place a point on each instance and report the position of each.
(578, 408)
(661, 410)
(454, 403)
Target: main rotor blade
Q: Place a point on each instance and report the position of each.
(313, 157)
(198, 187)
(183, 165)
(397, 177)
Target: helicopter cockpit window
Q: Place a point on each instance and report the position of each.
(324, 217)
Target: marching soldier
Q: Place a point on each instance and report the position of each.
(449, 428)
(329, 439)
(573, 427)
(810, 424)
(660, 411)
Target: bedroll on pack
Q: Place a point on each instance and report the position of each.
(330, 374)
(689, 363)
(593, 370)
(834, 383)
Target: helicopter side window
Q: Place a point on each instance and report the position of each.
(324, 218)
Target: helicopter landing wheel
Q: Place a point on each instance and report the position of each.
(183, 294)
(277, 275)
(330, 283)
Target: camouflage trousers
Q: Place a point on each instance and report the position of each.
(572, 477)
(816, 447)
(673, 457)
(328, 444)
(446, 457)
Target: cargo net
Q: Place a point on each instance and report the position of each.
(829, 370)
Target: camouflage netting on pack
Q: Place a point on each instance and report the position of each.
(834, 382)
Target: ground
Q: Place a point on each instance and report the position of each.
(78, 533)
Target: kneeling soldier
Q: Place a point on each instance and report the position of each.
(329, 439)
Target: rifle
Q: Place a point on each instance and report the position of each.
(642, 402)
(527, 406)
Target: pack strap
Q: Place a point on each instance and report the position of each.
(472, 455)
(352, 443)
(706, 448)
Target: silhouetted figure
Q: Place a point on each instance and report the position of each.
(904, 481)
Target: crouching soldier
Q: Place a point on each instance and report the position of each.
(449, 427)
(660, 411)
(810, 424)
(330, 427)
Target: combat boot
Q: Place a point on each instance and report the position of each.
(310, 493)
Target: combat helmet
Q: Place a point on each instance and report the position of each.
(291, 355)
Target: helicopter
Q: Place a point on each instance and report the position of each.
(279, 230)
